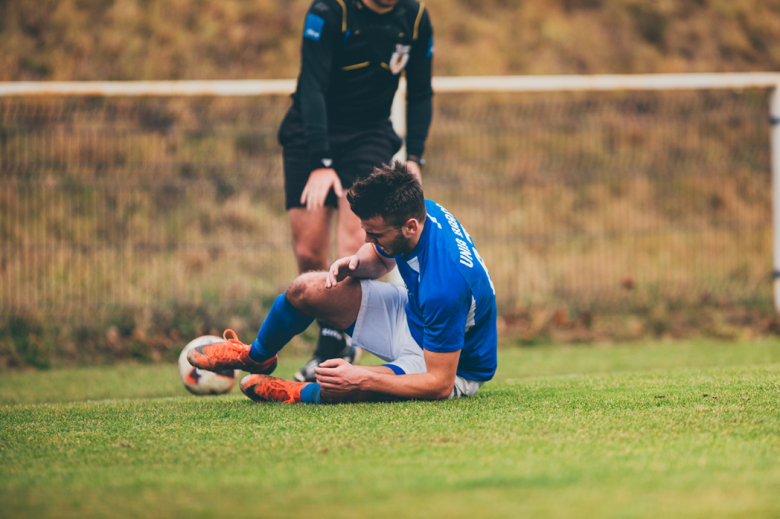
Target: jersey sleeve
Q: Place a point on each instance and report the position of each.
(321, 33)
(419, 106)
(381, 252)
(446, 314)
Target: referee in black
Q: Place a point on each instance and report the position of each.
(338, 127)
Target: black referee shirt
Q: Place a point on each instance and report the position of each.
(352, 59)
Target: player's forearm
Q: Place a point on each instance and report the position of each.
(371, 266)
(315, 124)
(419, 105)
(424, 386)
(418, 120)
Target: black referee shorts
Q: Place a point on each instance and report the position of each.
(355, 151)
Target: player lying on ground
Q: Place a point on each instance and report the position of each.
(438, 336)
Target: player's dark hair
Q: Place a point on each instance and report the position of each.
(391, 192)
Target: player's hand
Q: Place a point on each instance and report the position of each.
(339, 376)
(318, 186)
(414, 168)
(341, 269)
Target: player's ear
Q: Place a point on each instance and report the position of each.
(412, 226)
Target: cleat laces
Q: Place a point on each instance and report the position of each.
(234, 341)
(233, 347)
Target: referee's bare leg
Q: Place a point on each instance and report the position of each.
(311, 237)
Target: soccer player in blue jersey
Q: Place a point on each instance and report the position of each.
(437, 336)
(353, 53)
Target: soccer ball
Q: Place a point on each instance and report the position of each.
(202, 382)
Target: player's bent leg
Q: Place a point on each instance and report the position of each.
(338, 305)
(264, 388)
(293, 312)
(332, 343)
(231, 354)
(354, 397)
(311, 240)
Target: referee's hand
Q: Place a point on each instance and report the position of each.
(318, 186)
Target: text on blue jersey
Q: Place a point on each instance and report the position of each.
(451, 298)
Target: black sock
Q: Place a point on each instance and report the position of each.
(330, 343)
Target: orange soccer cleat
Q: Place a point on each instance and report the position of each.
(262, 388)
(231, 354)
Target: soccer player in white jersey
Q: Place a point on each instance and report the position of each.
(437, 335)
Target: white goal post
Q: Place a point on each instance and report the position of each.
(729, 81)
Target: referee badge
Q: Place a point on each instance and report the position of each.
(399, 58)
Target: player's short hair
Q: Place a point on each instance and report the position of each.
(391, 192)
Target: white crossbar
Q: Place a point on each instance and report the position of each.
(440, 84)
(606, 82)
(148, 88)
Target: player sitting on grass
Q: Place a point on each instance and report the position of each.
(438, 336)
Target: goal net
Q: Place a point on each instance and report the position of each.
(609, 200)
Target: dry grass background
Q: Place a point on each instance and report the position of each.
(247, 39)
(131, 225)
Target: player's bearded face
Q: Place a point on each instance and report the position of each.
(398, 244)
(389, 238)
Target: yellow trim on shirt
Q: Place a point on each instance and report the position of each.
(353, 67)
(343, 15)
(417, 21)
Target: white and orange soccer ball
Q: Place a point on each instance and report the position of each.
(202, 382)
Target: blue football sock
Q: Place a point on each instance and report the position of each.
(310, 394)
(282, 323)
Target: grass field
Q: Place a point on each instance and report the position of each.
(652, 430)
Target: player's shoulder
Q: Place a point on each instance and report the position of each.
(430, 204)
(413, 8)
(441, 217)
(454, 244)
(412, 5)
(447, 238)
(328, 9)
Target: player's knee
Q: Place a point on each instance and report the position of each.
(296, 292)
(304, 288)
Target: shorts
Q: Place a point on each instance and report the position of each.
(381, 328)
(355, 151)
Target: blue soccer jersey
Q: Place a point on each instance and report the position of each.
(452, 301)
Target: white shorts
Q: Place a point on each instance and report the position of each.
(381, 328)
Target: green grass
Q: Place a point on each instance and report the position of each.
(623, 431)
